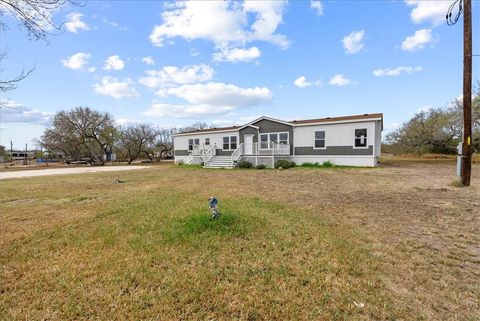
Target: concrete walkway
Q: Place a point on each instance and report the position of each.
(64, 171)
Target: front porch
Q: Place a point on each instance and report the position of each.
(257, 153)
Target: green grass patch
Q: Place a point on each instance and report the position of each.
(158, 254)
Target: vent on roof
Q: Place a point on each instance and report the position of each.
(328, 117)
(365, 114)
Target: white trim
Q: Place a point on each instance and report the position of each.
(230, 143)
(324, 139)
(207, 132)
(338, 122)
(278, 136)
(248, 125)
(267, 118)
(366, 140)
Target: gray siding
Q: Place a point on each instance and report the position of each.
(248, 131)
(268, 126)
(181, 152)
(221, 152)
(335, 150)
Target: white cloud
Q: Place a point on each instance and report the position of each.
(77, 61)
(396, 71)
(148, 61)
(125, 121)
(237, 54)
(13, 112)
(317, 6)
(428, 11)
(339, 80)
(74, 23)
(209, 99)
(91, 69)
(223, 22)
(112, 87)
(114, 63)
(301, 82)
(353, 42)
(172, 75)
(418, 41)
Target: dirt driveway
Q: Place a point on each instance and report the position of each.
(63, 171)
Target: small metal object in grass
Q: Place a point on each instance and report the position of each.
(213, 205)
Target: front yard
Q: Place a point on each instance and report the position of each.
(396, 242)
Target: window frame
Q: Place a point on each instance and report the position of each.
(230, 143)
(269, 141)
(190, 145)
(355, 138)
(324, 139)
(205, 141)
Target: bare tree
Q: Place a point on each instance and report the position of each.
(195, 126)
(136, 139)
(10, 84)
(81, 132)
(36, 16)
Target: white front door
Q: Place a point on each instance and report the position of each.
(248, 142)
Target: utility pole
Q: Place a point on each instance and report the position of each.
(11, 153)
(26, 156)
(465, 6)
(466, 170)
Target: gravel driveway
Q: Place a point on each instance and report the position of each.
(63, 171)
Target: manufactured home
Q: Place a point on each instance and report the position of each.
(349, 140)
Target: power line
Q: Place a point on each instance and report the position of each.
(453, 18)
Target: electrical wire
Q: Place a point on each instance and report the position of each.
(450, 17)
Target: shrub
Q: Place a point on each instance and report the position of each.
(285, 164)
(244, 164)
(181, 162)
(328, 164)
(260, 166)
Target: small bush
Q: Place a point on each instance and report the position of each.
(181, 162)
(285, 164)
(260, 166)
(328, 164)
(244, 164)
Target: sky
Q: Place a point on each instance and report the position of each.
(171, 64)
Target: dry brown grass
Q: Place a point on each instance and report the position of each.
(422, 232)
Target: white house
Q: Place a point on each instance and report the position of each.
(349, 140)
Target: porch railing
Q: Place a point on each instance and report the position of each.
(265, 149)
(209, 153)
(237, 153)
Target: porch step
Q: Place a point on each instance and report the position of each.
(220, 162)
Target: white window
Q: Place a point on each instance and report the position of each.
(229, 142)
(320, 139)
(192, 142)
(268, 140)
(361, 137)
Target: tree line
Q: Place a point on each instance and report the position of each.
(85, 133)
(438, 130)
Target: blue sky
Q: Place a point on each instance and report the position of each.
(224, 63)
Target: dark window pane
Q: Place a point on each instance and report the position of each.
(320, 135)
(361, 132)
(273, 137)
(197, 141)
(319, 143)
(233, 139)
(263, 138)
(233, 146)
(207, 141)
(359, 142)
(284, 136)
(190, 147)
(225, 146)
(225, 140)
(190, 141)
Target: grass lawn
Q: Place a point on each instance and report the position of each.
(299, 244)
